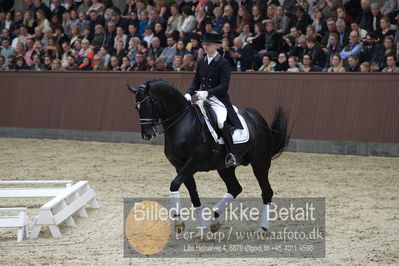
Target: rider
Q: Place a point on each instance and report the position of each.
(211, 82)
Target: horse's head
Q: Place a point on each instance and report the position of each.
(148, 112)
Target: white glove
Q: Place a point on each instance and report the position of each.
(187, 96)
(202, 95)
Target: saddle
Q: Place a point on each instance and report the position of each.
(208, 119)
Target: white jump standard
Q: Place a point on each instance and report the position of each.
(21, 221)
(62, 207)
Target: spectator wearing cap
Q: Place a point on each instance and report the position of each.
(6, 49)
(189, 63)
(169, 52)
(301, 19)
(155, 48)
(353, 64)
(353, 48)
(243, 53)
(391, 64)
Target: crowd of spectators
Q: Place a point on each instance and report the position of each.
(160, 35)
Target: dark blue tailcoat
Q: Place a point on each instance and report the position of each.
(215, 78)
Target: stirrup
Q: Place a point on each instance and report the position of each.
(230, 160)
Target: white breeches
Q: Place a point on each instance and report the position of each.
(220, 110)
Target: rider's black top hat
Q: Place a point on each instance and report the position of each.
(211, 37)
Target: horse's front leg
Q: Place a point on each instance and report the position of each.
(185, 175)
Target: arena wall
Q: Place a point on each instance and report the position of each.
(329, 113)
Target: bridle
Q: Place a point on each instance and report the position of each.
(155, 121)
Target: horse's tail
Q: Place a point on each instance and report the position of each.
(280, 135)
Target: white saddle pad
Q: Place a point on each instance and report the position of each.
(239, 135)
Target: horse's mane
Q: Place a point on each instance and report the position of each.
(168, 89)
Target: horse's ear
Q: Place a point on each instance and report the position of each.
(131, 88)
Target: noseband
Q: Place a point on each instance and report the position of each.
(148, 121)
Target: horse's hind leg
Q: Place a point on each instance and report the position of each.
(261, 171)
(233, 189)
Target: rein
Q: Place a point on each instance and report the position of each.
(157, 121)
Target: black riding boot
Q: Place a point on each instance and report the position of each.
(231, 158)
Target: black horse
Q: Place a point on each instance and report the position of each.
(190, 149)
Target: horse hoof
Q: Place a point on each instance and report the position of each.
(261, 231)
(199, 237)
(179, 228)
(215, 227)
